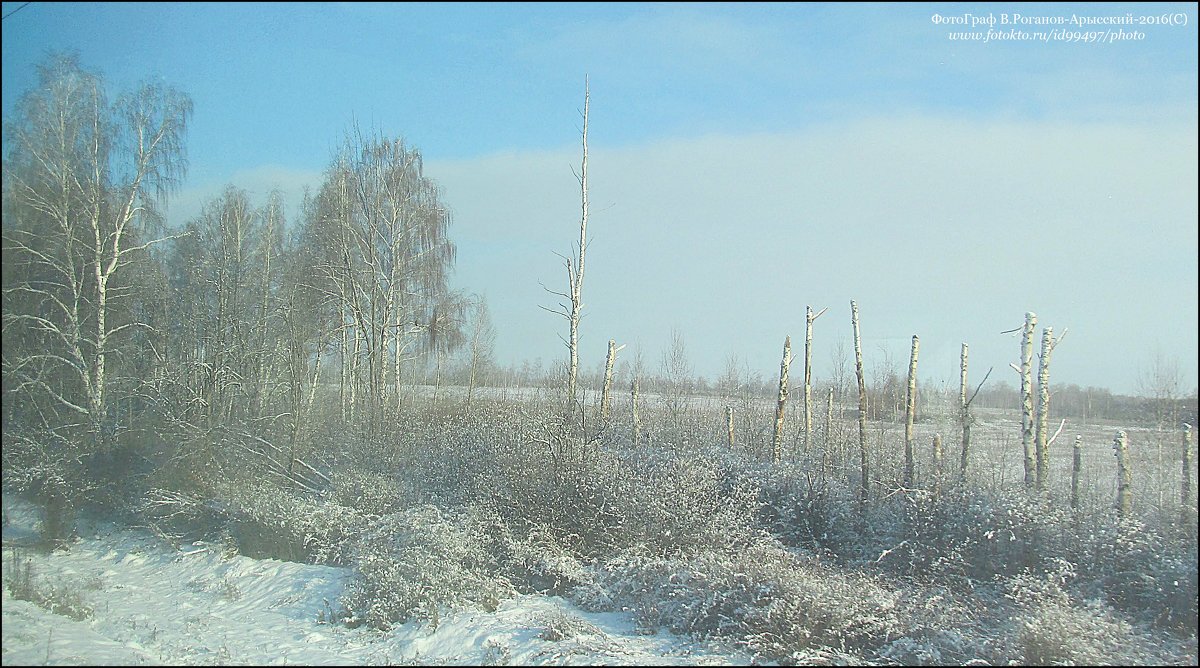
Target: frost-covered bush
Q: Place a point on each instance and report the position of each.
(414, 564)
(266, 521)
(807, 509)
(539, 562)
(779, 604)
(372, 493)
(1145, 570)
(1050, 629)
(604, 503)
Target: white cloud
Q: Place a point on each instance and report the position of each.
(946, 229)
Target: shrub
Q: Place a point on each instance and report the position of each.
(268, 522)
(61, 597)
(415, 563)
(779, 604)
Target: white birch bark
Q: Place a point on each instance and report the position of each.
(1027, 415)
(777, 442)
(1124, 475)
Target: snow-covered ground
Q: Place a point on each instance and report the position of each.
(153, 604)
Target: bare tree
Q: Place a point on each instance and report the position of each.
(678, 379)
(482, 342)
(575, 267)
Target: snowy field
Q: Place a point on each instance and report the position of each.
(134, 600)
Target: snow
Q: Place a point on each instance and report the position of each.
(155, 604)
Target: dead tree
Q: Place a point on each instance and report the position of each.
(729, 423)
(865, 486)
(910, 412)
(829, 424)
(575, 267)
(1041, 445)
(808, 324)
(613, 349)
(777, 443)
(1027, 416)
(1124, 475)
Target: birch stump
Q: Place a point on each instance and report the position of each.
(777, 443)
(1124, 475)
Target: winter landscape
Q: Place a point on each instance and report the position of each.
(599, 335)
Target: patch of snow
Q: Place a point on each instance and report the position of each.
(152, 604)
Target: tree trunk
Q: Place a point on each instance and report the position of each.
(865, 484)
(729, 423)
(1043, 413)
(1027, 444)
(577, 276)
(1124, 475)
(808, 326)
(777, 443)
(608, 374)
(964, 414)
(829, 425)
(910, 412)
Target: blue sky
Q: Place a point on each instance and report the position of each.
(746, 160)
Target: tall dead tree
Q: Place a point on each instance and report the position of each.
(575, 269)
(865, 485)
(910, 412)
(777, 442)
(808, 325)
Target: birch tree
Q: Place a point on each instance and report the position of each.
(84, 178)
(383, 256)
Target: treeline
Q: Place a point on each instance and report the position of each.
(115, 325)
